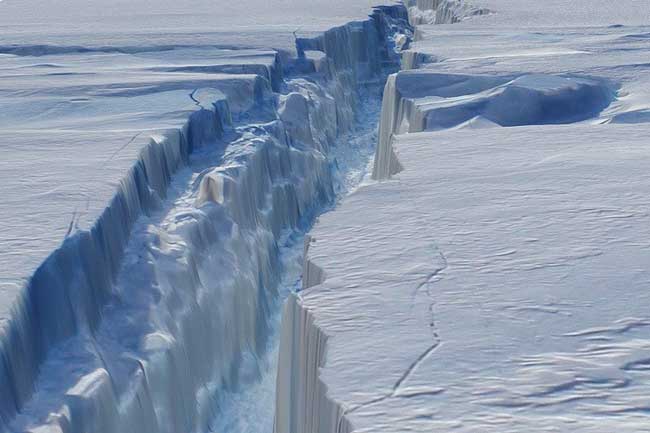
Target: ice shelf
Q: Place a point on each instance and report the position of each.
(492, 275)
(498, 288)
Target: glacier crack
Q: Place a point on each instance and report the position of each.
(145, 321)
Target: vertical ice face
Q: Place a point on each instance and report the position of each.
(441, 11)
(136, 324)
(427, 100)
(66, 294)
(303, 404)
(393, 106)
(386, 162)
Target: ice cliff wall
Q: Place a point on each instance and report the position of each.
(426, 100)
(441, 11)
(303, 404)
(149, 353)
(67, 292)
(393, 106)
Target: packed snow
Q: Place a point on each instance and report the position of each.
(492, 275)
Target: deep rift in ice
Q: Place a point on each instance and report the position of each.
(492, 281)
(251, 407)
(162, 318)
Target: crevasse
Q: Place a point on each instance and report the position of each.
(414, 100)
(136, 324)
(302, 401)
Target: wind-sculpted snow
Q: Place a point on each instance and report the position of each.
(493, 279)
(162, 286)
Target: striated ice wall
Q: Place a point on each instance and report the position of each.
(386, 162)
(441, 11)
(397, 111)
(136, 324)
(302, 402)
(66, 294)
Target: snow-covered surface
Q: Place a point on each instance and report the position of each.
(559, 13)
(151, 179)
(495, 278)
(146, 23)
(494, 287)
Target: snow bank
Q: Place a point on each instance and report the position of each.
(137, 323)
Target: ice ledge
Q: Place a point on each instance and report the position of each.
(424, 100)
(405, 299)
